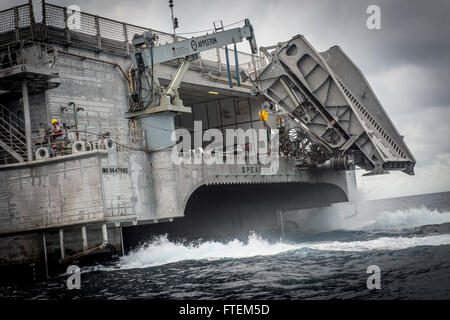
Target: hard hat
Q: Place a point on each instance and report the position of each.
(54, 121)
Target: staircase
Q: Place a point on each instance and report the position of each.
(13, 147)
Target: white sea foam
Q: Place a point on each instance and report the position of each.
(162, 251)
(407, 218)
(344, 217)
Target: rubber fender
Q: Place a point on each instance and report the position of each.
(42, 153)
(78, 146)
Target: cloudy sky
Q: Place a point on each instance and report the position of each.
(407, 61)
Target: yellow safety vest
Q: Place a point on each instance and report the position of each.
(263, 115)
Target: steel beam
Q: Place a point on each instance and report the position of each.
(44, 240)
(26, 114)
(61, 243)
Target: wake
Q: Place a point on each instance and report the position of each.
(162, 251)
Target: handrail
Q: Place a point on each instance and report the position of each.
(103, 29)
(13, 140)
(12, 58)
(13, 145)
(124, 31)
(18, 135)
(11, 128)
(7, 127)
(15, 54)
(11, 115)
(9, 136)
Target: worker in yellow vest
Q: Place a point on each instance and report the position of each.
(263, 116)
(57, 135)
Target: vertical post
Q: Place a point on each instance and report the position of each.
(104, 233)
(75, 118)
(236, 61)
(135, 130)
(10, 132)
(44, 21)
(280, 214)
(45, 253)
(230, 81)
(121, 241)
(16, 23)
(219, 63)
(144, 137)
(84, 236)
(10, 57)
(26, 114)
(66, 29)
(254, 63)
(61, 243)
(32, 20)
(173, 21)
(125, 35)
(99, 40)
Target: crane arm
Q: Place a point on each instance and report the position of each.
(146, 55)
(184, 48)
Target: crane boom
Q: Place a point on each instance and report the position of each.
(147, 54)
(195, 45)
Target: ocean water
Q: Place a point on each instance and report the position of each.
(411, 248)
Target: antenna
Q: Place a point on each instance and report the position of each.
(174, 19)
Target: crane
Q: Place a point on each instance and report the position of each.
(147, 55)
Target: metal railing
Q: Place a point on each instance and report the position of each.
(10, 55)
(110, 35)
(12, 131)
(12, 134)
(16, 24)
(14, 53)
(95, 33)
